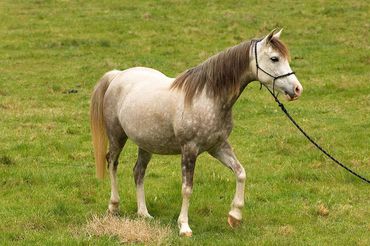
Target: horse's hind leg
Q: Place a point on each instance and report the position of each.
(139, 173)
(226, 156)
(117, 139)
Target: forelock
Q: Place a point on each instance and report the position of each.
(280, 47)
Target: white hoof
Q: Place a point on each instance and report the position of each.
(144, 214)
(185, 230)
(113, 209)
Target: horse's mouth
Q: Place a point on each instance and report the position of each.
(289, 97)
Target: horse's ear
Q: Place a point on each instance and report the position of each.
(268, 38)
(277, 35)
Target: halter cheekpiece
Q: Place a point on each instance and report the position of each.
(269, 74)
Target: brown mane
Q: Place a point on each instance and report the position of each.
(220, 74)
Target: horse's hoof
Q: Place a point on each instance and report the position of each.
(185, 230)
(145, 216)
(233, 222)
(113, 209)
(113, 213)
(186, 234)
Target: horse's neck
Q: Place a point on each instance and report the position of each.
(223, 108)
(247, 78)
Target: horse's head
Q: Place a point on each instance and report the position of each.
(272, 66)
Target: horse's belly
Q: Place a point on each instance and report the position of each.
(155, 137)
(147, 121)
(168, 147)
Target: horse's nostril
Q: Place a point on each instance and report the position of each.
(297, 90)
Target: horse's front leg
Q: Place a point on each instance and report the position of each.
(188, 158)
(226, 156)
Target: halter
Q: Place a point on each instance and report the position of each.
(269, 74)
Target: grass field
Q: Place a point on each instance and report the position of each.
(294, 195)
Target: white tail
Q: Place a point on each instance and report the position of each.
(99, 135)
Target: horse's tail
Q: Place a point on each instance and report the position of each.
(99, 135)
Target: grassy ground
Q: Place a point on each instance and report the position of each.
(293, 194)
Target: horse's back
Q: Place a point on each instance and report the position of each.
(142, 74)
(136, 80)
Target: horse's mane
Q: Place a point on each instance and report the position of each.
(220, 74)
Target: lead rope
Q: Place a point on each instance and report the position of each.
(292, 120)
(312, 141)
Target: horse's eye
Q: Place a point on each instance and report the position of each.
(274, 59)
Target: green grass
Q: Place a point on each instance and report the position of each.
(48, 189)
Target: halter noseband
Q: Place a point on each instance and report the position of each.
(269, 74)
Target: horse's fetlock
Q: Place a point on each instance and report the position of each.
(238, 204)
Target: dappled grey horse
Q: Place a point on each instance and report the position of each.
(187, 115)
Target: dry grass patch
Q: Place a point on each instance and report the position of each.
(322, 210)
(128, 230)
(286, 230)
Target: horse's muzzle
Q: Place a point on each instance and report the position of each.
(296, 93)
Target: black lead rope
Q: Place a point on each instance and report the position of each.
(312, 141)
(293, 121)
